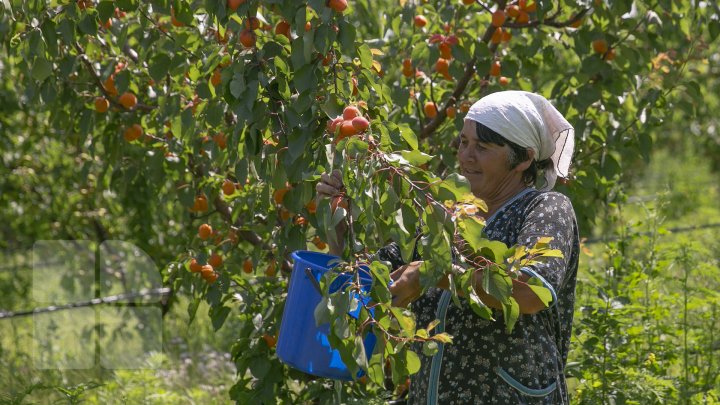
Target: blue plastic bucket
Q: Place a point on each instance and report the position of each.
(301, 344)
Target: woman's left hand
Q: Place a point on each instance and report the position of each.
(406, 284)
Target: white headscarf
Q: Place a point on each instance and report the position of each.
(530, 121)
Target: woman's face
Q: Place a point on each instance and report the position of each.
(486, 165)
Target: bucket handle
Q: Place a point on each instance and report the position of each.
(313, 280)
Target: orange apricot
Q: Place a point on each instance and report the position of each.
(204, 231)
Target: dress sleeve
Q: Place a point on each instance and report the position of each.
(552, 215)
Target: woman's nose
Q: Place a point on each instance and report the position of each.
(465, 155)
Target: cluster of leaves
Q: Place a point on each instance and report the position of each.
(242, 91)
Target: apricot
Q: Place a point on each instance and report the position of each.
(445, 50)
(270, 271)
(600, 46)
(338, 5)
(234, 4)
(279, 195)
(128, 100)
(283, 28)
(204, 231)
(495, 69)
(195, 267)
(133, 132)
(420, 21)
(247, 38)
(450, 112)
(200, 204)
(216, 78)
(101, 104)
(430, 109)
(215, 260)
(248, 266)
(498, 18)
(350, 112)
(360, 124)
(228, 187)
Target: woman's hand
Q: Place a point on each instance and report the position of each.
(405, 287)
(331, 186)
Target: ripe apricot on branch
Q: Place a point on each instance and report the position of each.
(270, 340)
(504, 81)
(498, 18)
(200, 204)
(346, 129)
(215, 260)
(338, 5)
(228, 187)
(332, 125)
(109, 85)
(248, 266)
(523, 17)
(204, 231)
(195, 267)
(430, 109)
(247, 38)
(350, 112)
(319, 243)
(420, 21)
(220, 140)
(270, 271)
(252, 23)
(283, 28)
(279, 195)
(610, 55)
(600, 46)
(495, 69)
(360, 124)
(445, 50)
(128, 100)
(101, 104)
(450, 112)
(216, 78)
(133, 132)
(234, 4)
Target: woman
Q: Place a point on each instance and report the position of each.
(510, 141)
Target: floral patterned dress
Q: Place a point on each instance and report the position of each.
(484, 364)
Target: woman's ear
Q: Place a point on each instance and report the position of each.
(522, 166)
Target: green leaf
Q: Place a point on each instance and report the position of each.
(477, 305)
(471, 229)
(41, 69)
(218, 316)
(405, 320)
(456, 185)
(443, 337)
(415, 157)
(714, 29)
(542, 293)
(322, 311)
(376, 368)
(88, 25)
(412, 362)
(340, 326)
(497, 283)
(359, 353)
(159, 66)
(430, 347)
(408, 135)
(366, 56)
(511, 312)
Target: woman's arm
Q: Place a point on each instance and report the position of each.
(406, 289)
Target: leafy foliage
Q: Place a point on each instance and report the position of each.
(230, 129)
